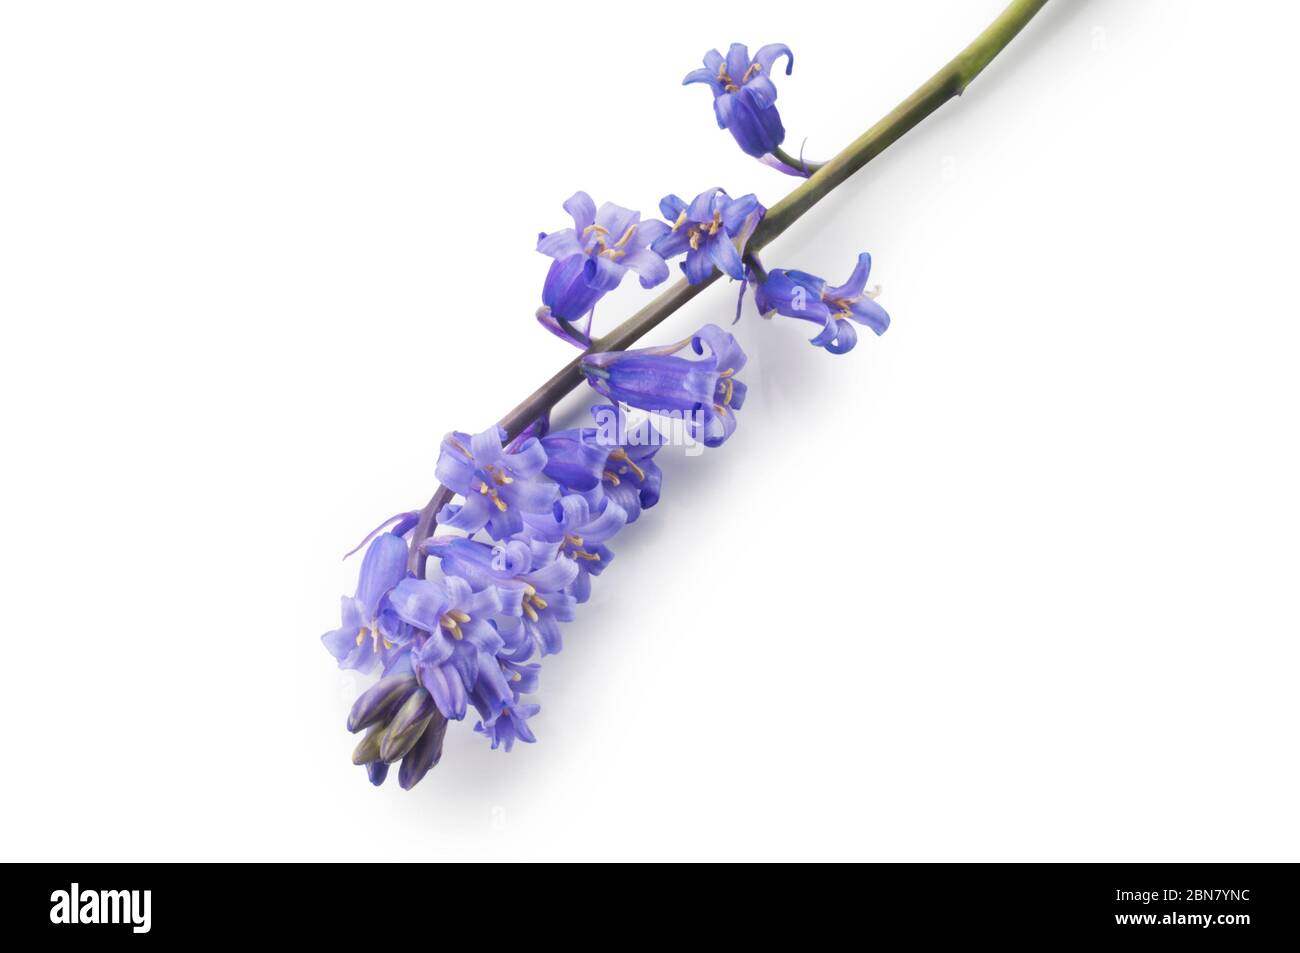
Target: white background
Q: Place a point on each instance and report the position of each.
(1015, 581)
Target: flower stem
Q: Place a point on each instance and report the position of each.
(949, 82)
(797, 163)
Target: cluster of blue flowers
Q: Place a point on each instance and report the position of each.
(527, 528)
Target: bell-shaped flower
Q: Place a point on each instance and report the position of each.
(614, 461)
(798, 294)
(592, 257)
(368, 627)
(575, 531)
(498, 484)
(704, 393)
(712, 230)
(510, 726)
(744, 96)
(531, 585)
(453, 635)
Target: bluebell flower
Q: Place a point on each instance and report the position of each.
(575, 459)
(531, 586)
(577, 532)
(498, 484)
(704, 393)
(613, 461)
(510, 726)
(592, 257)
(708, 231)
(744, 96)
(798, 294)
(631, 477)
(368, 627)
(453, 636)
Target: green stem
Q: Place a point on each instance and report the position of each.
(795, 162)
(949, 82)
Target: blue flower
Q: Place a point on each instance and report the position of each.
(704, 393)
(498, 484)
(510, 726)
(575, 531)
(530, 585)
(708, 231)
(613, 461)
(592, 257)
(575, 459)
(797, 294)
(744, 96)
(368, 627)
(453, 636)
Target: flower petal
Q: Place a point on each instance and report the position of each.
(583, 210)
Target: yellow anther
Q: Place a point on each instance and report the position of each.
(451, 626)
(754, 69)
(612, 477)
(572, 540)
(613, 254)
(730, 387)
(387, 644)
(680, 219)
(539, 602)
(516, 677)
(530, 612)
(361, 636)
(631, 230)
(727, 373)
(695, 239)
(500, 503)
(621, 454)
(598, 229)
(459, 616)
(583, 554)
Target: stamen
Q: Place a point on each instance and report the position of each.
(459, 616)
(631, 230)
(572, 540)
(539, 602)
(680, 219)
(621, 454)
(612, 477)
(754, 70)
(530, 612)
